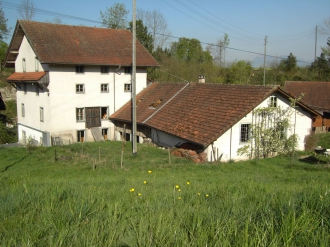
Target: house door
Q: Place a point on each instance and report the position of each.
(93, 118)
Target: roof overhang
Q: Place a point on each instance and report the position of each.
(41, 78)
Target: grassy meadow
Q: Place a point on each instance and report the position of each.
(85, 198)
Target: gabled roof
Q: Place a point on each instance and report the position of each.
(316, 94)
(64, 44)
(196, 112)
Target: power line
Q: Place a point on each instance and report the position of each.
(55, 14)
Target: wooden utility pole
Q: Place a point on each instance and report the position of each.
(315, 42)
(265, 60)
(134, 81)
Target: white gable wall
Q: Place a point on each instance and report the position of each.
(228, 144)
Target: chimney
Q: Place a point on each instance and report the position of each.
(201, 79)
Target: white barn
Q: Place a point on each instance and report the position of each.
(69, 79)
(212, 118)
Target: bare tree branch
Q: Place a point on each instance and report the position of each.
(27, 9)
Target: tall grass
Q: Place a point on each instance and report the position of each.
(151, 202)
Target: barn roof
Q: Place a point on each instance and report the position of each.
(196, 112)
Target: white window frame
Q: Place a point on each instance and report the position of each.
(80, 88)
(245, 132)
(105, 116)
(127, 87)
(272, 101)
(104, 90)
(41, 110)
(23, 109)
(80, 114)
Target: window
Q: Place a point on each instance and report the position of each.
(104, 88)
(105, 134)
(25, 88)
(80, 114)
(36, 64)
(37, 89)
(80, 69)
(23, 110)
(23, 136)
(23, 65)
(127, 87)
(245, 132)
(104, 69)
(41, 114)
(80, 88)
(273, 101)
(104, 112)
(128, 70)
(80, 136)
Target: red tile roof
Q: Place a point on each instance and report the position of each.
(64, 44)
(316, 94)
(196, 112)
(28, 77)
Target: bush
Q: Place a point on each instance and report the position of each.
(311, 141)
(7, 135)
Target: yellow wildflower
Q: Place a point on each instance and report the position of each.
(188, 182)
(207, 195)
(179, 198)
(132, 190)
(145, 182)
(149, 171)
(198, 194)
(139, 194)
(177, 186)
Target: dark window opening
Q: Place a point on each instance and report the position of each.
(80, 136)
(128, 70)
(104, 69)
(80, 69)
(245, 132)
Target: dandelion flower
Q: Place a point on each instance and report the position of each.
(139, 194)
(145, 182)
(149, 171)
(132, 190)
(177, 186)
(179, 190)
(207, 195)
(188, 182)
(179, 198)
(198, 194)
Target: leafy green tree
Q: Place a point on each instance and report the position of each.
(240, 72)
(326, 50)
(290, 64)
(115, 17)
(322, 67)
(142, 35)
(190, 50)
(4, 30)
(3, 50)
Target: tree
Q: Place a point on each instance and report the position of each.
(325, 29)
(290, 64)
(3, 50)
(240, 72)
(268, 133)
(157, 26)
(190, 50)
(326, 50)
(115, 17)
(26, 9)
(4, 31)
(142, 35)
(322, 66)
(219, 50)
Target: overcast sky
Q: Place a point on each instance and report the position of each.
(289, 24)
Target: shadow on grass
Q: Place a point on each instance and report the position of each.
(312, 160)
(11, 165)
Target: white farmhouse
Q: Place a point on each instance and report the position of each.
(69, 79)
(214, 119)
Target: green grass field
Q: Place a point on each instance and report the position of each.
(153, 202)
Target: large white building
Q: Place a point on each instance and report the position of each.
(69, 79)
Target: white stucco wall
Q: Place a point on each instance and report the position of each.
(60, 100)
(228, 144)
